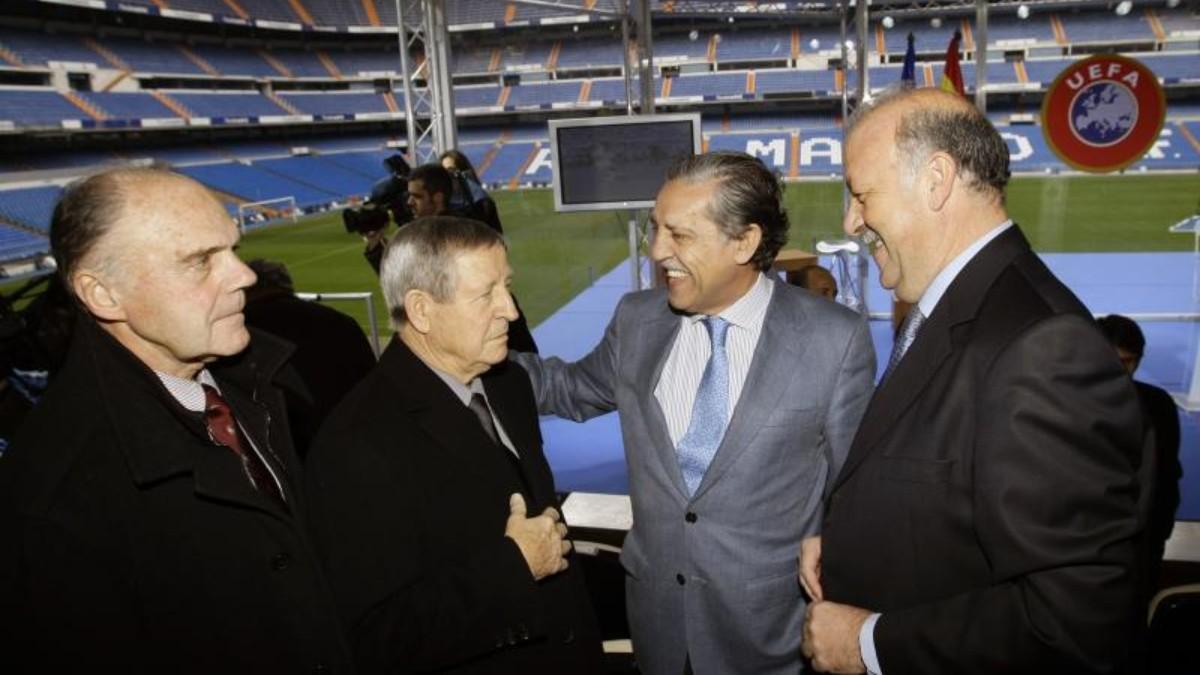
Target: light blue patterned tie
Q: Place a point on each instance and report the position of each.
(908, 333)
(710, 412)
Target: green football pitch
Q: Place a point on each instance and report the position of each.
(555, 256)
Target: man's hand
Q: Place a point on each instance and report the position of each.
(541, 538)
(831, 637)
(810, 567)
(375, 239)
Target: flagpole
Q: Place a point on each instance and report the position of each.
(981, 61)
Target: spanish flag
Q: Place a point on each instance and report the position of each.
(952, 79)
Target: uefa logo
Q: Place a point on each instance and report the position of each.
(1103, 113)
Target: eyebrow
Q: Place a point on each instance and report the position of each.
(203, 253)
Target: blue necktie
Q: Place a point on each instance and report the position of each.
(908, 333)
(710, 412)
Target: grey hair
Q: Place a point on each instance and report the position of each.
(749, 193)
(960, 131)
(420, 257)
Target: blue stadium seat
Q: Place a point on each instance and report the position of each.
(36, 48)
(301, 63)
(718, 84)
(367, 163)
(376, 61)
(750, 45)
(589, 53)
(30, 207)
(315, 171)
(468, 60)
(337, 12)
(1007, 28)
(507, 163)
(336, 104)
(1105, 26)
(151, 57)
(274, 10)
(252, 183)
(129, 105)
(228, 105)
(779, 81)
(476, 96)
(926, 38)
(235, 60)
(681, 46)
(16, 244)
(467, 12)
(37, 108)
(524, 55)
(544, 94)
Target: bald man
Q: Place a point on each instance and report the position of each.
(816, 280)
(985, 518)
(150, 512)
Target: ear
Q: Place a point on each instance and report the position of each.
(97, 295)
(942, 173)
(747, 244)
(417, 308)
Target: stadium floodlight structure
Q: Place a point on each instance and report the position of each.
(423, 23)
(270, 209)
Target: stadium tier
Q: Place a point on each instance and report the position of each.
(251, 184)
(37, 107)
(336, 104)
(228, 104)
(29, 207)
(130, 106)
(315, 171)
(16, 244)
(543, 94)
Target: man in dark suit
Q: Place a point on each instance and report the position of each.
(1160, 466)
(331, 352)
(986, 517)
(150, 509)
(422, 478)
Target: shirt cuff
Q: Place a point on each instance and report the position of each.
(866, 645)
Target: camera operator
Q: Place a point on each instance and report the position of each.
(455, 161)
(431, 192)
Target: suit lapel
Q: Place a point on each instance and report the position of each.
(656, 339)
(520, 424)
(934, 345)
(774, 365)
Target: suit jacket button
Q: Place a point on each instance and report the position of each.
(280, 562)
(569, 637)
(680, 578)
(690, 517)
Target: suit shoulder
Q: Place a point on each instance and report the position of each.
(639, 303)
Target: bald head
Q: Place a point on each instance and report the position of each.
(91, 208)
(925, 121)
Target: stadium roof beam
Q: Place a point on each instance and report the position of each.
(567, 6)
(424, 22)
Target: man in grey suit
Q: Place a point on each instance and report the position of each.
(739, 396)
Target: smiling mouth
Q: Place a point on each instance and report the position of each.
(871, 239)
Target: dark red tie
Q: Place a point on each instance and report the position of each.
(223, 429)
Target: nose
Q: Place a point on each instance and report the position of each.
(244, 277)
(508, 308)
(852, 223)
(659, 248)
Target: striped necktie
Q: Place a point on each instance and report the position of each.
(710, 411)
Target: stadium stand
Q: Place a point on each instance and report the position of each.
(251, 183)
(543, 94)
(128, 105)
(678, 47)
(150, 57)
(37, 108)
(925, 37)
(29, 207)
(37, 48)
(705, 85)
(336, 104)
(476, 97)
(368, 163)
(376, 61)
(228, 104)
(231, 60)
(1092, 27)
(300, 63)
(458, 13)
(315, 171)
(589, 53)
(274, 10)
(755, 46)
(16, 243)
(337, 13)
(778, 81)
(1004, 29)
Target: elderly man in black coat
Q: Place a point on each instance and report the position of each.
(426, 478)
(150, 507)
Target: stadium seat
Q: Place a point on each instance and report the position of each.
(1174, 617)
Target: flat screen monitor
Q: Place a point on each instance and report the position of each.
(604, 163)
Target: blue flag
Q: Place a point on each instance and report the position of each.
(908, 76)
